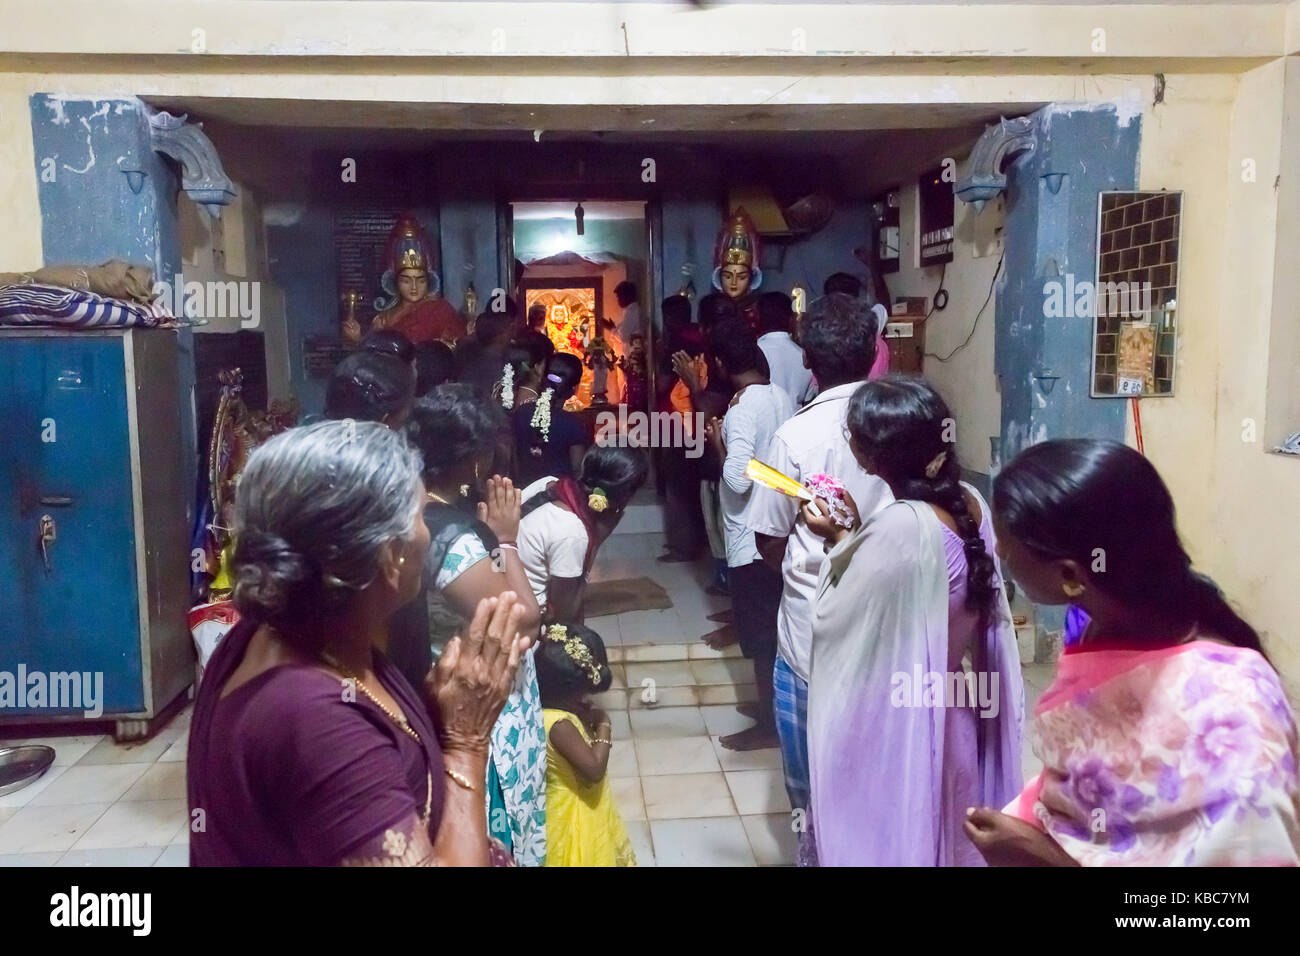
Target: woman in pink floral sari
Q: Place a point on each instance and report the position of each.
(1166, 738)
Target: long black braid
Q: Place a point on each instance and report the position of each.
(901, 424)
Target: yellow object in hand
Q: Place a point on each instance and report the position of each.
(769, 477)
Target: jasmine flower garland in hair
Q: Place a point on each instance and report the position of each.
(508, 386)
(542, 413)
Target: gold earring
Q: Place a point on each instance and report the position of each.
(1073, 589)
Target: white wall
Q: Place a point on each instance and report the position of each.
(966, 380)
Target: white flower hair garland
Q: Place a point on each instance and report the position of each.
(508, 386)
(542, 413)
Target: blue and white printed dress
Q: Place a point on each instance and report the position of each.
(518, 740)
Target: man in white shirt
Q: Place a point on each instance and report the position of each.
(619, 335)
(784, 357)
(755, 413)
(839, 346)
(629, 323)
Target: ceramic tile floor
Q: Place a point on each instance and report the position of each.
(102, 804)
(685, 799)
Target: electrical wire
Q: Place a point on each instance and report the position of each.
(1137, 424)
(943, 274)
(978, 315)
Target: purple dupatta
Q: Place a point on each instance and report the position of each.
(876, 721)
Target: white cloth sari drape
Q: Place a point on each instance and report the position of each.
(880, 627)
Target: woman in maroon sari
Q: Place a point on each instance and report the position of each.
(307, 747)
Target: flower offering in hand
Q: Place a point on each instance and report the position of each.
(831, 490)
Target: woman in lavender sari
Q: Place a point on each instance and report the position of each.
(916, 702)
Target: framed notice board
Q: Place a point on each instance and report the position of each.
(935, 208)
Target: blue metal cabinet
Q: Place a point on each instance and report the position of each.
(90, 454)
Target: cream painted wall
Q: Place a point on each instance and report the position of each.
(1257, 494)
(563, 31)
(20, 239)
(1224, 98)
(1185, 146)
(1236, 503)
(1283, 400)
(966, 381)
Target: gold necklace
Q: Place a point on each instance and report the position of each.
(398, 719)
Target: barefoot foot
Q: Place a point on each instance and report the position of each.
(724, 636)
(758, 737)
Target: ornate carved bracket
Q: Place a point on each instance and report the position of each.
(984, 178)
(202, 176)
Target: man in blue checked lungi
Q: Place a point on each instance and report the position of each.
(838, 337)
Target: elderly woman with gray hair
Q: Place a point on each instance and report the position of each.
(307, 747)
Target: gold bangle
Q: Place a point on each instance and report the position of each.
(460, 779)
(602, 740)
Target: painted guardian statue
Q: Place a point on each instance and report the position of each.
(735, 258)
(412, 304)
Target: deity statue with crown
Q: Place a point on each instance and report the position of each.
(411, 304)
(735, 258)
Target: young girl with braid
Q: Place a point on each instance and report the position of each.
(583, 826)
(914, 659)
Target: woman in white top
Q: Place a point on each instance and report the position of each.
(565, 521)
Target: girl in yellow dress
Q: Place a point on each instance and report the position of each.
(583, 826)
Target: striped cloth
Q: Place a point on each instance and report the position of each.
(33, 304)
(790, 703)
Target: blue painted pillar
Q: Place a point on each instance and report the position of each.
(467, 245)
(1044, 364)
(90, 214)
(1051, 232)
(690, 228)
(303, 263)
